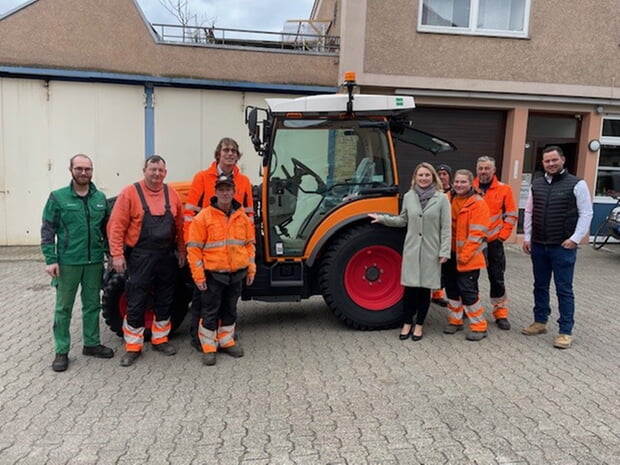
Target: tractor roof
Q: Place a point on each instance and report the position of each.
(367, 104)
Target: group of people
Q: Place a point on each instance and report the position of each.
(456, 226)
(150, 234)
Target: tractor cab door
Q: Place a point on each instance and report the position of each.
(315, 166)
(404, 132)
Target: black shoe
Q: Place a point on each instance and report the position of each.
(165, 348)
(208, 358)
(417, 338)
(129, 358)
(196, 345)
(452, 329)
(476, 336)
(441, 302)
(234, 351)
(503, 323)
(61, 362)
(98, 351)
(404, 337)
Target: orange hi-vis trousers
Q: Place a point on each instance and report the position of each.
(211, 339)
(474, 312)
(134, 337)
(500, 307)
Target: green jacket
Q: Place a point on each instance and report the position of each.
(73, 230)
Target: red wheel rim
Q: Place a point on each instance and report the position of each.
(149, 315)
(372, 278)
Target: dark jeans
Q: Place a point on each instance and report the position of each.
(151, 276)
(416, 301)
(496, 266)
(556, 260)
(460, 284)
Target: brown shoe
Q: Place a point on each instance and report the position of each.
(534, 329)
(563, 341)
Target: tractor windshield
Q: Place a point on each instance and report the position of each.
(317, 165)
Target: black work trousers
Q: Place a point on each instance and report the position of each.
(151, 281)
(460, 284)
(219, 302)
(496, 267)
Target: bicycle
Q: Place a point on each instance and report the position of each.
(609, 227)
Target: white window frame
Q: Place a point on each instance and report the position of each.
(473, 24)
(606, 140)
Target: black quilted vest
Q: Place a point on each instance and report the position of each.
(555, 208)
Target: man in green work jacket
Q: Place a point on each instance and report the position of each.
(73, 244)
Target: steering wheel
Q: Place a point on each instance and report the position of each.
(300, 170)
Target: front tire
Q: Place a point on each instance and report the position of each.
(360, 277)
(114, 304)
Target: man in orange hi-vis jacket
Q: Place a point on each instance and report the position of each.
(221, 256)
(145, 233)
(470, 222)
(504, 214)
(202, 189)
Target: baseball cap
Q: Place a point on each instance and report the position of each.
(444, 167)
(224, 180)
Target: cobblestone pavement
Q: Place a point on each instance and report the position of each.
(310, 391)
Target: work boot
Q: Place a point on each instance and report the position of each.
(129, 358)
(165, 348)
(61, 362)
(476, 336)
(563, 341)
(503, 323)
(452, 329)
(534, 329)
(98, 351)
(208, 358)
(234, 351)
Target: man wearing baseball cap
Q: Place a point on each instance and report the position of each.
(221, 253)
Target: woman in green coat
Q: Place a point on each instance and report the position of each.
(426, 214)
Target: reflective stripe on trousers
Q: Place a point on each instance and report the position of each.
(208, 338)
(475, 313)
(134, 337)
(226, 336)
(160, 331)
(455, 317)
(500, 307)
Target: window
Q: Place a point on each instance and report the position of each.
(608, 176)
(509, 18)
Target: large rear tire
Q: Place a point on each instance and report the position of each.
(360, 277)
(114, 304)
(602, 235)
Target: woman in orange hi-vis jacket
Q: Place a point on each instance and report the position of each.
(470, 224)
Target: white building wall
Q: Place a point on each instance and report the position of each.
(43, 124)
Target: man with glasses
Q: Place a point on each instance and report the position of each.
(73, 243)
(202, 190)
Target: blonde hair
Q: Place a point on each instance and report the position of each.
(434, 175)
(226, 141)
(467, 173)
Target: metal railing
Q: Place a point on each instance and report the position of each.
(227, 37)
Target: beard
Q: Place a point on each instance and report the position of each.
(81, 179)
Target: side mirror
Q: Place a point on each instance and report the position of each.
(251, 120)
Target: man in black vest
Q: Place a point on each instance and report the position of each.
(558, 213)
